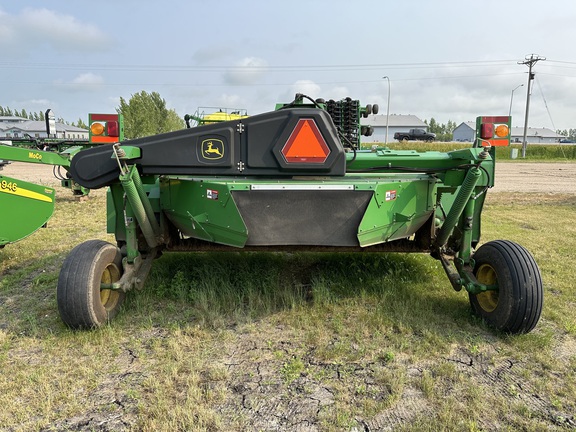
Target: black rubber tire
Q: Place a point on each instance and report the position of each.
(517, 304)
(375, 109)
(430, 139)
(367, 111)
(81, 303)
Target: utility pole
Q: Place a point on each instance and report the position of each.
(387, 109)
(530, 62)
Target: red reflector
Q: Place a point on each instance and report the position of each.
(306, 144)
(495, 119)
(486, 131)
(112, 129)
(103, 139)
(499, 142)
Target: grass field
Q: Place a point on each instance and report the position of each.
(283, 342)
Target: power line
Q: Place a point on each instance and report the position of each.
(549, 114)
(545, 104)
(258, 84)
(562, 62)
(530, 62)
(281, 68)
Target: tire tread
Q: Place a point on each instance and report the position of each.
(526, 292)
(74, 292)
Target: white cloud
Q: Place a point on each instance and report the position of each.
(249, 70)
(34, 105)
(88, 79)
(230, 101)
(307, 87)
(6, 30)
(338, 93)
(34, 29)
(83, 82)
(41, 102)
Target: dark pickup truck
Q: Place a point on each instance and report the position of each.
(415, 135)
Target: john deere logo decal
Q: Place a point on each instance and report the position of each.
(212, 149)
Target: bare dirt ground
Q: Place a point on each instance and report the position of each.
(546, 178)
(42, 174)
(536, 177)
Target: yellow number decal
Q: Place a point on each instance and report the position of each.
(11, 186)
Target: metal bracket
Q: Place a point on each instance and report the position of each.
(240, 127)
(461, 275)
(134, 275)
(241, 166)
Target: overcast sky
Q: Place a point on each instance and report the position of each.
(447, 59)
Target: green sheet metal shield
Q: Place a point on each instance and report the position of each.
(28, 206)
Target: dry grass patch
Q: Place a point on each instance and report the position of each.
(286, 342)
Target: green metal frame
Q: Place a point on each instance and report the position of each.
(26, 154)
(26, 208)
(408, 190)
(31, 155)
(434, 195)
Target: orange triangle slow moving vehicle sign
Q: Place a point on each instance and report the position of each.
(306, 144)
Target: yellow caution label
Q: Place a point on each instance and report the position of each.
(12, 188)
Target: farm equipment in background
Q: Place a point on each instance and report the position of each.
(208, 115)
(295, 179)
(26, 206)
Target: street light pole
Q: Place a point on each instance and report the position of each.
(512, 97)
(387, 110)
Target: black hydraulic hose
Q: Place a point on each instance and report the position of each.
(411, 169)
(298, 96)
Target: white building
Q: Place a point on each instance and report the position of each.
(396, 123)
(19, 127)
(466, 131)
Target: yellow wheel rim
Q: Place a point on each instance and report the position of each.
(487, 300)
(109, 298)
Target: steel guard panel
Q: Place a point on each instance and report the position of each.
(249, 147)
(27, 208)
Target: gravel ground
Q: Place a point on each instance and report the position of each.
(41, 174)
(535, 177)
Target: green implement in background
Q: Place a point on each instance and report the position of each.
(25, 208)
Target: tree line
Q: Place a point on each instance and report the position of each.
(443, 131)
(568, 133)
(144, 114)
(37, 116)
